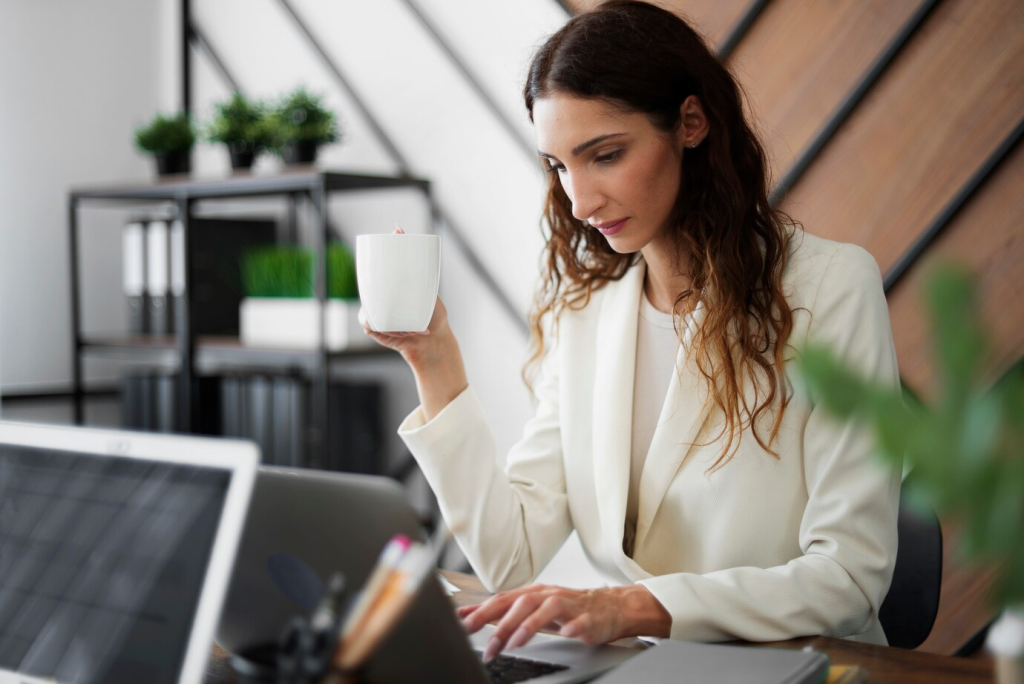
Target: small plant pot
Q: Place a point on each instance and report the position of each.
(242, 156)
(298, 152)
(285, 323)
(171, 163)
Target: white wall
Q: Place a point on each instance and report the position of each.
(75, 78)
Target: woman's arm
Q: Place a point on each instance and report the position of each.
(509, 523)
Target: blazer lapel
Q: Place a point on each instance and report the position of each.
(679, 429)
(613, 402)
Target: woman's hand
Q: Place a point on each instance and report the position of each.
(433, 355)
(594, 616)
(419, 349)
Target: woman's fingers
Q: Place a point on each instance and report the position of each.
(466, 611)
(522, 608)
(552, 609)
(494, 608)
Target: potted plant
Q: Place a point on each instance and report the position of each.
(169, 139)
(966, 448)
(279, 309)
(301, 125)
(240, 124)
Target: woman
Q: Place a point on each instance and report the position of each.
(717, 503)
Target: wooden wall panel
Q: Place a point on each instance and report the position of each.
(801, 60)
(942, 108)
(965, 597)
(987, 236)
(713, 18)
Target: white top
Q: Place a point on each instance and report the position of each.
(764, 548)
(657, 345)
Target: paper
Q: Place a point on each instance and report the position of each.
(449, 588)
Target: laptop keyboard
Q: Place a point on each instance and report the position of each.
(506, 669)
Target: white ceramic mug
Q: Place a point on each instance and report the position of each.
(398, 278)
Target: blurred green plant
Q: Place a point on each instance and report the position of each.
(300, 116)
(287, 271)
(166, 133)
(240, 121)
(966, 448)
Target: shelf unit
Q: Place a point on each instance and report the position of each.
(190, 355)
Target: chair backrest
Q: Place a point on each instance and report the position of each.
(909, 609)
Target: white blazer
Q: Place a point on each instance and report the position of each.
(764, 548)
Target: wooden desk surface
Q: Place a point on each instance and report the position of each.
(884, 664)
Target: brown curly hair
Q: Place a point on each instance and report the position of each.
(645, 59)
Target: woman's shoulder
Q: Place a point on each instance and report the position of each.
(814, 263)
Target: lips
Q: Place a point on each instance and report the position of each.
(611, 228)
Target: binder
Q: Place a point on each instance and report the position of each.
(164, 388)
(158, 276)
(175, 305)
(289, 421)
(259, 419)
(231, 407)
(133, 264)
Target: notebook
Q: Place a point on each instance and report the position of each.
(684, 662)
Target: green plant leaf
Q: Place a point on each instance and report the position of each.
(288, 271)
(300, 116)
(173, 133)
(966, 449)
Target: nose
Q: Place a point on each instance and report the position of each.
(584, 193)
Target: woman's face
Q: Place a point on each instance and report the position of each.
(620, 172)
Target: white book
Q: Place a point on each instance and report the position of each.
(158, 259)
(177, 259)
(158, 268)
(133, 259)
(133, 275)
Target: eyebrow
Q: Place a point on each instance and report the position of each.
(583, 147)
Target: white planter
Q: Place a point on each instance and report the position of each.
(294, 324)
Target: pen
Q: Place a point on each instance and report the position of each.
(396, 597)
(389, 558)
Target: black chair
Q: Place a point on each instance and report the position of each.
(909, 609)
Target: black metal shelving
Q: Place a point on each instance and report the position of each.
(190, 355)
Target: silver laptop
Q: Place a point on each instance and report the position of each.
(115, 552)
(304, 525)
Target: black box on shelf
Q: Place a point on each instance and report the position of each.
(149, 401)
(215, 259)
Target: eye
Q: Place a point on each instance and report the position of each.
(555, 168)
(608, 158)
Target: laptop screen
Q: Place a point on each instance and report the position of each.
(102, 562)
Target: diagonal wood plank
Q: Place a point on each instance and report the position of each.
(987, 237)
(942, 109)
(713, 18)
(801, 59)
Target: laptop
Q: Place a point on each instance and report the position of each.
(304, 525)
(115, 552)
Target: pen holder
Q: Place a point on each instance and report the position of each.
(258, 665)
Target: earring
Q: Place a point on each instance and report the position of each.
(693, 144)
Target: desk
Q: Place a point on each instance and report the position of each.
(883, 664)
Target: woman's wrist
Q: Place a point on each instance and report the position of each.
(440, 375)
(642, 613)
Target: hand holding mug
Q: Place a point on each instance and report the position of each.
(398, 287)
